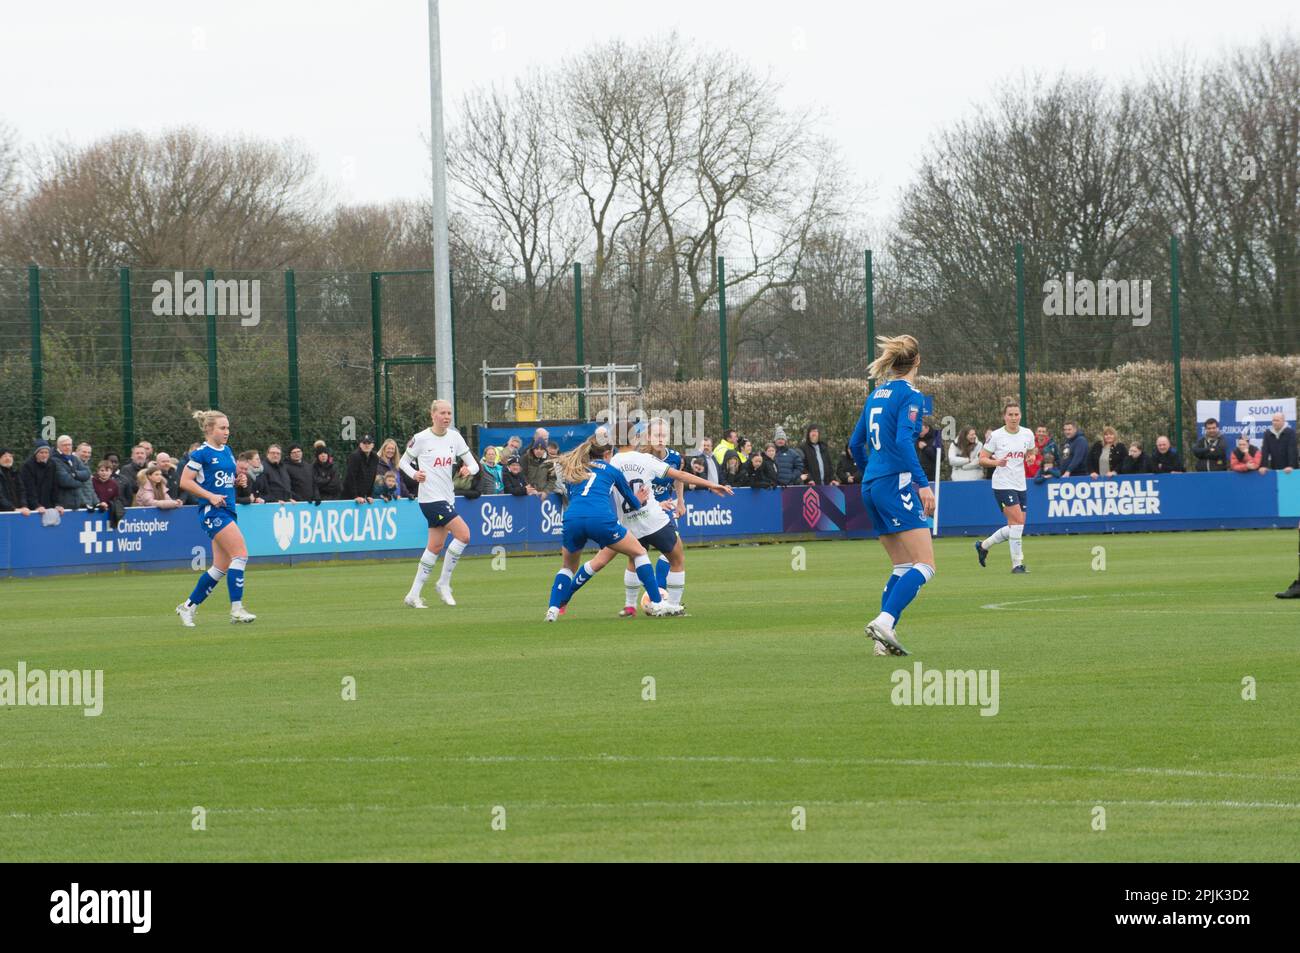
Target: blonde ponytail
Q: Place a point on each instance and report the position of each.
(207, 419)
(898, 355)
(572, 466)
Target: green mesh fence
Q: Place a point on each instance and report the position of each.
(334, 355)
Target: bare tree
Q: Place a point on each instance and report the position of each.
(509, 175)
(180, 200)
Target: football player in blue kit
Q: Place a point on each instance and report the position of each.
(209, 475)
(588, 478)
(890, 422)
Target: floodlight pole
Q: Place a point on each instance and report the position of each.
(445, 365)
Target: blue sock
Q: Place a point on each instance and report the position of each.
(905, 590)
(235, 579)
(899, 570)
(661, 572)
(581, 579)
(207, 582)
(646, 573)
(562, 588)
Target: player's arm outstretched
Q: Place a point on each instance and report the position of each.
(681, 476)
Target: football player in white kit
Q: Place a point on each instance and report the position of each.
(650, 525)
(1007, 449)
(429, 459)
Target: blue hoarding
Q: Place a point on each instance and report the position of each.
(150, 538)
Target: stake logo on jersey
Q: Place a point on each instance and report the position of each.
(640, 469)
(214, 470)
(1014, 447)
(437, 456)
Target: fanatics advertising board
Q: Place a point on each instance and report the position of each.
(148, 538)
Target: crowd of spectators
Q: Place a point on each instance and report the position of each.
(63, 477)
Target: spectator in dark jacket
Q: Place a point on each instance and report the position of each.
(927, 447)
(390, 458)
(513, 480)
(298, 467)
(324, 475)
(1278, 451)
(69, 473)
(246, 486)
(817, 464)
(389, 488)
(1106, 455)
(789, 461)
(539, 470)
(731, 475)
(1211, 451)
(273, 485)
(1135, 461)
(758, 472)
(698, 466)
(13, 499)
(363, 464)
(846, 470)
(126, 476)
(1166, 458)
(40, 485)
(1073, 460)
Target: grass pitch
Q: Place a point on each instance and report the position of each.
(1119, 689)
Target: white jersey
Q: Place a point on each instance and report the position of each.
(1012, 446)
(437, 457)
(640, 469)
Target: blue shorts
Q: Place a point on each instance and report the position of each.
(893, 504)
(663, 540)
(216, 519)
(601, 530)
(1007, 498)
(438, 513)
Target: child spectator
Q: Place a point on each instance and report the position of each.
(1246, 458)
(1047, 469)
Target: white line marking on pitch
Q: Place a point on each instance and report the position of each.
(680, 759)
(652, 805)
(1007, 606)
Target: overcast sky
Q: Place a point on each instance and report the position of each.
(349, 80)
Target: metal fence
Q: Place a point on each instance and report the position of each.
(1128, 339)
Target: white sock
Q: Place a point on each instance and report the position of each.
(449, 560)
(631, 587)
(886, 620)
(427, 561)
(1001, 536)
(1017, 550)
(236, 606)
(676, 585)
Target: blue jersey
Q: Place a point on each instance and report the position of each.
(891, 421)
(591, 496)
(663, 486)
(214, 470)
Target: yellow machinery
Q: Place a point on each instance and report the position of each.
(526, 406)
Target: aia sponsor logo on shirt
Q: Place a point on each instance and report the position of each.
(443, 461)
